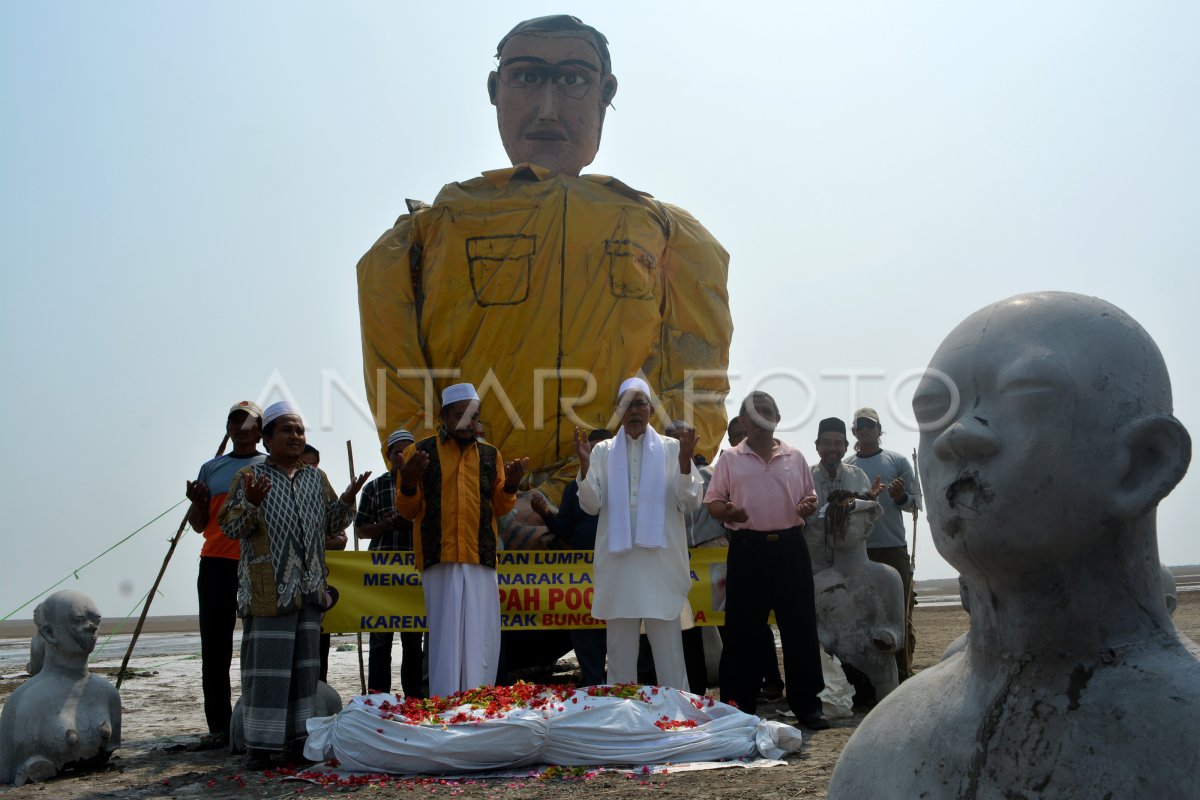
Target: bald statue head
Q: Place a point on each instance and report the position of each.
(551, 87)
(1047, 434)
(67, 621)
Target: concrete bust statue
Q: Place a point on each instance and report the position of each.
(1047, 443)
(63, 717)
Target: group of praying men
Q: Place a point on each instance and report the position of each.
(647, 499)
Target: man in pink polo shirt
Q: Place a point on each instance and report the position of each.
(762, 490)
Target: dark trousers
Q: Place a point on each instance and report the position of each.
(591, 650)
(217, 588)
(770, 571)
(693, 660)
(770, 658)
(379, 663)
(897, 559)
(326, 642)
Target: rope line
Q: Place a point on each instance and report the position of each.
(75, 572)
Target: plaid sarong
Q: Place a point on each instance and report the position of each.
(280, 664)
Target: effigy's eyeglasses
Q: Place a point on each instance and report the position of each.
(567, 81)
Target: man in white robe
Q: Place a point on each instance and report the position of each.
(641, 485)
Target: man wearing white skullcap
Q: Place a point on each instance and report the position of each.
(217, 584)
(379, 522)
(641, 485)
(282, 589)
(454, 488)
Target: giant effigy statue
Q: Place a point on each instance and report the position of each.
(860, 602)
(544, 287)
(1047, 443)
(63, 717)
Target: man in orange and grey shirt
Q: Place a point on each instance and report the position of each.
(217, 585)
(454, 487)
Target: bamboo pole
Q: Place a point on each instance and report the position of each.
(362, 672)
(916, 512)
(137, 631)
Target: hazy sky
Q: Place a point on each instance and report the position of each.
(187, 187)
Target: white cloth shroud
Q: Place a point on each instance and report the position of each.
(578, 729)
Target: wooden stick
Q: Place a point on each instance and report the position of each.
(163, 571)
(916, 512)
(362, 671)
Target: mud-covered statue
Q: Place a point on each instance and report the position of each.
(64, 717)
(1047, 443)
(860, 603)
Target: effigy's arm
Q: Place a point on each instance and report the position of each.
(394, 360)
(693, 356)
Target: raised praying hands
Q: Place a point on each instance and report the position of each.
(198, 493)
(513, 472)
(583, 451)
(539, 504)
(256, 487)
(413, 469)
(687, 449)
(352, 490)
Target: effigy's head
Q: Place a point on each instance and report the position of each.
(1046, 434)
(550, 88)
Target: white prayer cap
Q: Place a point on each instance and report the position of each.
(277, 410)
(399, 436)
(633, 383)
(458, 392)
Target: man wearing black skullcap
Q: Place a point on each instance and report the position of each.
(829, 473)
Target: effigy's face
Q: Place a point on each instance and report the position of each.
(550, 97)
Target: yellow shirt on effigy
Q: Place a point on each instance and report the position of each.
(527, 283)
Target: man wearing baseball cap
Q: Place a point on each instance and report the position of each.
(380, 523)
(886, 543)
(217, 586)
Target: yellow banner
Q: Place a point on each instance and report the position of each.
(539, 590)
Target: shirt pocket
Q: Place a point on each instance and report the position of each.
(500, 267)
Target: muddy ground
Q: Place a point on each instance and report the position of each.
(164, 715)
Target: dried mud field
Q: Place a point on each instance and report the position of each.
(163, 717)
